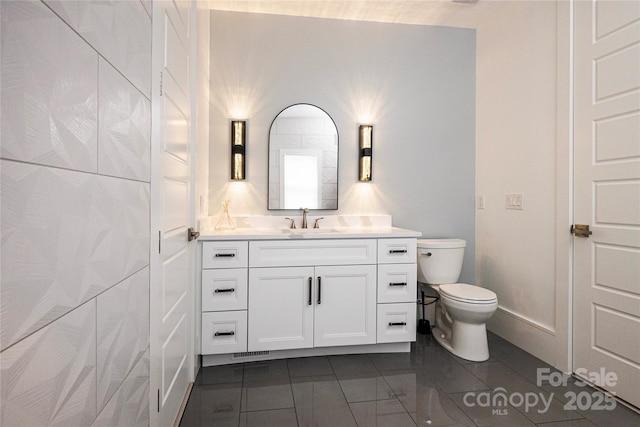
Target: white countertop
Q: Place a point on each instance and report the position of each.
(327, 233)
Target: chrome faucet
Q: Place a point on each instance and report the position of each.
(305, 211)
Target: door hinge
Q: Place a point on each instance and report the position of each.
(160, 83)
(159, 242)
(581, 230)
(158, 400)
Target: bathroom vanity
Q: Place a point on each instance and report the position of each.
(270, 293)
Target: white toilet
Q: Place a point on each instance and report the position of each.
(463, 310)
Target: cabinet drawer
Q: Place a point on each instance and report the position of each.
(224, 254)
(287, 253)
(397, 283)
(397, 251)
(224, 289)
(396, 322)
(224, 332)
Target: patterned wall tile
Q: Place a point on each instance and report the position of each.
(124, 132)
(120, 30)
(66, 237)
(129, 406)
(49, 89)
(147, 6)
(123, 332)
(49, 378)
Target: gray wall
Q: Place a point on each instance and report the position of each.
(415, 84)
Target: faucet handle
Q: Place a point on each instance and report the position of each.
(315, 224)
(305, 210)
(293, 222)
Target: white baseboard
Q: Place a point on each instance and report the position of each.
(527, 334)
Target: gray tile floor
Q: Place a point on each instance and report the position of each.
(426, 387)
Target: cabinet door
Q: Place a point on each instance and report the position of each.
(345, 305)
(280, 308)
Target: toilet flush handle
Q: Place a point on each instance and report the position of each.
(426, 253)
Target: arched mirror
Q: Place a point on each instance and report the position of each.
(303, 159)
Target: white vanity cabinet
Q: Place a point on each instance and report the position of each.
(304, 307)
(316, 293)
(224, 297)
(307, 296)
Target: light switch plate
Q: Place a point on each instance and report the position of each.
(514, 201)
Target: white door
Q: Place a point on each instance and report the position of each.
(345, 305)
(280, 308)
(607, 194)
(172, 273)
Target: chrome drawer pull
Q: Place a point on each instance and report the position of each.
(397, 251)
(225, 255)
(219, 291)
(310, 296)
(398, 284)
(397, 323)
(220, 334)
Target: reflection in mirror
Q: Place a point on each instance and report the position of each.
(303, 159)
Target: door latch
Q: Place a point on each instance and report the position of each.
(581, 230)
(192, 234)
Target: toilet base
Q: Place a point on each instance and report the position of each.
(469, 341)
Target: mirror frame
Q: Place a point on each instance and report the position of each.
(337, 157)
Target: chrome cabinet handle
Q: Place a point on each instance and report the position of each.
(397, 323)
(310, 291)
(225, 255)
(398, 284)
(219, 291)
(397, 251)
(319, 291)
(220, 334)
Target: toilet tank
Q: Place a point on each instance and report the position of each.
(440, 260)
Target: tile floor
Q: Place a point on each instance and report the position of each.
(426, 387)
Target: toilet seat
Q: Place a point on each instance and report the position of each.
(466, 293)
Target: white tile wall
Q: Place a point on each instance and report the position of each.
(123, 332)
(129, 405)
(74, 170)
(66, 236)
(49, 90)
(49, 378)
(124, 132)
(119, 30)
(147, 6)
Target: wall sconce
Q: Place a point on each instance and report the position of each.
(238, 146)
(366, 142)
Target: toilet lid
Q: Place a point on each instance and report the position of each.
(441, 243)
(468, 293)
